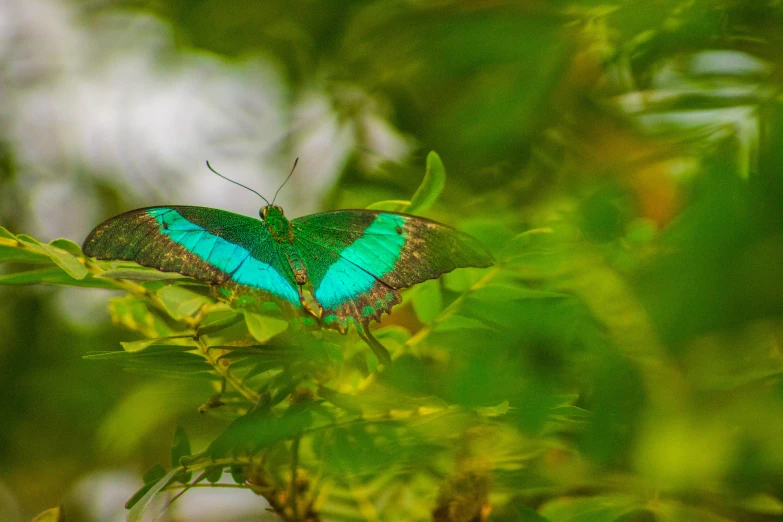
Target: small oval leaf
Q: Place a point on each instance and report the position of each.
(262, 327)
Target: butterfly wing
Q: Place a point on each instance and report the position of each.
(357, 260)
(211, 245)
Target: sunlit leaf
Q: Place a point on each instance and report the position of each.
(180, 301)
(11, 253)
(67, 245)
(431, 186)
(53, 276)
(50, 515)
(5, 234)
(135, 314)
(263, 327)
(396, 205)
(65, 260)
(258, 429)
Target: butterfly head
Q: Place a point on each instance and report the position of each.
(276, 222)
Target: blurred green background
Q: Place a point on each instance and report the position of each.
(622, 160)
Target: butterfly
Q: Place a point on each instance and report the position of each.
(353, 262)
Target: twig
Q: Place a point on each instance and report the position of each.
(226, 374)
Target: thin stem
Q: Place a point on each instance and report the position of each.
(226, 374)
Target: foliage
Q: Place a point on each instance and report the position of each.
(622, 360)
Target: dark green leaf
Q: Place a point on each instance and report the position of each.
(180, 446)
(214, 474)
(238, 474)
(159, 358)
(259, 428)
(154, 474)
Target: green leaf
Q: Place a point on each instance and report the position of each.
(156, 359)
(218, 320)
(140, 274)
(462, 280)
(54, 514)
(511, 292)
(52, 276)
(134, 313)
(763, 503)
(67, 245)
(259, 428)
(180, 447)
(15, 253)
(390, 205)
(589, 509)
(154, 473)
(238, 474)
(159, 344)
(214, 474)
(431, 186)
(181, 302)
(4, 233)
(427, 300)
(139, 507)
(62, 258)
(262, 327)
(493, 411)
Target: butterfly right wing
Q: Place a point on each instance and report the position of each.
(207, 244)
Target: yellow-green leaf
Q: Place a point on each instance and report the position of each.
(54, 514)
(390, 205)
(431, 186)
(262, 327)
(65, 260)
(181, 302)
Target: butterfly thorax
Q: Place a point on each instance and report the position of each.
(277, 224)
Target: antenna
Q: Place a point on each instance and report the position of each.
(286, 180)
(241, 185)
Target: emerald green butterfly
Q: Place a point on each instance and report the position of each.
(353, 262)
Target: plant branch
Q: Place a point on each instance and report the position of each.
(226, 374)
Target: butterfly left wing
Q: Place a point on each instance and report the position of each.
(357, 260)
(215, 246)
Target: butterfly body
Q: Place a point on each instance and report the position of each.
(352, 262)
